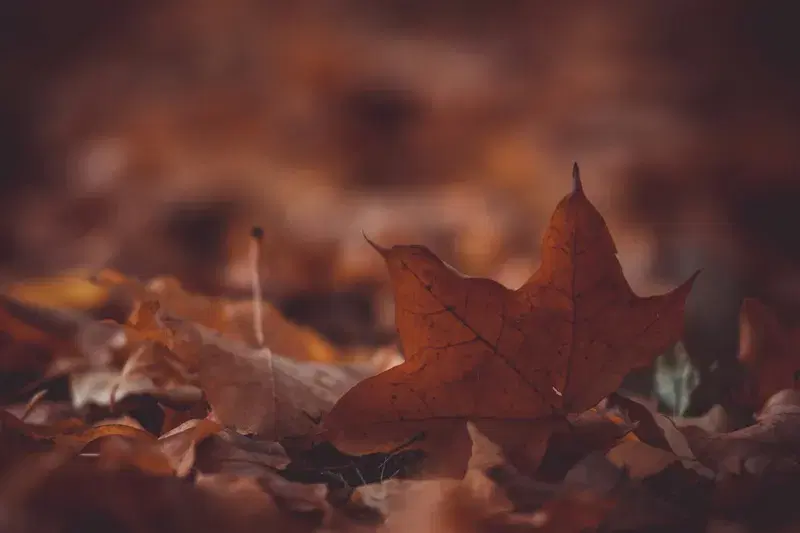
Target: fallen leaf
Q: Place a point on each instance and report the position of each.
(32, 339)
(175, 417)
(77, 441)
(70, 291)
(280, 335)
(179, 445)
(647, 429)
(714, 421)
(118, 452)
(167, 300)
(175, 301)
(587, 432)
(263, 393)
(640, 460)
(770, 351)
(108, 386)
(769, 444)
(228, 452)
(655, 432)
(595, 472)
(478, 351)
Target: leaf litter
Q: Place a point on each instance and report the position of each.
(154, 408)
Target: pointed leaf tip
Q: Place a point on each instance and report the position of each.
(378, 248)
(577, 186)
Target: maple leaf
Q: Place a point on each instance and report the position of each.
(476, 350)
(768, 350)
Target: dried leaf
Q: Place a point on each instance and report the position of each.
(179, 445)
(174, 301)
(77, 441)
(70, 291)
(280, 335)
(117, 452)
(228, 452)
(587, 432)
(771, 443)
(640, 460)
(259, 392)
(478, 351)
(656, 431)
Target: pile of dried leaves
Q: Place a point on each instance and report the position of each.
(138, 406)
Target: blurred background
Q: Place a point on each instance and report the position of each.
(149, 135)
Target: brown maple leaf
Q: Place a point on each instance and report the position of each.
(503, 358)
(768, 348)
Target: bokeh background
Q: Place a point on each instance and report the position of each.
(149, 135)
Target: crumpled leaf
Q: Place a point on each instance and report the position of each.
(259, 392)
(180, 444)
(123, 361)
(228, 452)
(660, 442)
(590, 431)
(478, 351)
(771, 443)
(106, 387)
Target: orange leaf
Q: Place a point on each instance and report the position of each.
(478, 351)
(70, 291)
(78, 441)
(116, 452)
(177, 302)
(280, 335)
